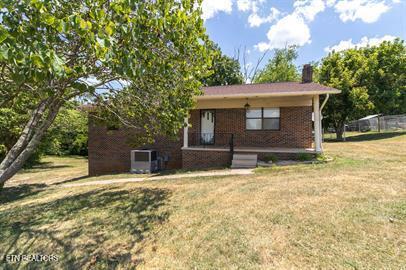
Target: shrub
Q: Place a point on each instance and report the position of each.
(321, 157)
(68, 134)
(270, 157)
(305, 157)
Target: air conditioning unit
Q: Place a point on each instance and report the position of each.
(144, 161)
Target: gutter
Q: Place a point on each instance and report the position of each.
(324, 103)
(258, 95)
(321, 118)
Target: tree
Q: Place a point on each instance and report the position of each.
(340, 70)
(280, 68)
(12, 121)
(68, 134)
(225, 70)
(385, 77)
(147, 56)
(372, 80)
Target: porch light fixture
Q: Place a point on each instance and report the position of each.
(247, 105)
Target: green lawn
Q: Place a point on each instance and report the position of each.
(348, 213)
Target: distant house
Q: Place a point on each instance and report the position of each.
(232, 124)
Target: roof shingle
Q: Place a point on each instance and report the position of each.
(268, 88)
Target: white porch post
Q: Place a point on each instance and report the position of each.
(317, 124)
(185, 133)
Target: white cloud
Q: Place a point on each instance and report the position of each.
(290, 30)
(365, 41)
(330, 3)
(254, 6)
(368, 11)
(293, 29)
(309, 8)
(211, 7)
(244, 5)
(255, 20)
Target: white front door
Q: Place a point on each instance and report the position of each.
(207, 120)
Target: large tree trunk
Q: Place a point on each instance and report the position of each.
(339, 132)
(23, 140)
(42, 117)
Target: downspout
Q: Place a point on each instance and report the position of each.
(321, 118)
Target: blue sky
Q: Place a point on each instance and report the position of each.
(316, 25)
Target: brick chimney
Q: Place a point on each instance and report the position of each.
(307, 74)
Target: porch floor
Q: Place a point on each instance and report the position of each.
(252, 149)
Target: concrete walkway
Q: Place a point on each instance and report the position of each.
(163, 177)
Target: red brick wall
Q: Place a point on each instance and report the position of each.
(109, 150)
(192, 159)
(279, 156)
(295, 128)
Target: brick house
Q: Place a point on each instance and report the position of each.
(235, 120)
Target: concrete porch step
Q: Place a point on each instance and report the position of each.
(245, 157)
(244, 161)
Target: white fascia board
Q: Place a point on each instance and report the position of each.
(253, 95)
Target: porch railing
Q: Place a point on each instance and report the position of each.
(217, 139)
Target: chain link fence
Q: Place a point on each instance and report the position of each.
(374, 123)
(378, 123)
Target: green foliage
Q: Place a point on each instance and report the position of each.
(372, 80)
(158, 48)
(148, 56)
(339, 70)
(224, 71)
(68, 134)
(270, 157)
(304, 156)
(322, 158)
(11, 122)
(280, 68)
(385, 76)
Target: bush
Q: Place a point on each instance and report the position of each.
(321, 158)
(67, 135)
(270, 157)
(305, 157)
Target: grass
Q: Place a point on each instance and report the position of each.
(55, 170)
(346, 214)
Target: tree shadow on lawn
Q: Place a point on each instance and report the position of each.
(72, 180)
(370, 136)
(45, 166)
(13, 193)
(102, 228)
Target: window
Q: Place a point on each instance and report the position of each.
(254, 119)
(264, 118)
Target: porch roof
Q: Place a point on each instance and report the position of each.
(265, 90)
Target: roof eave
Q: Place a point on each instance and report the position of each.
(258, 95)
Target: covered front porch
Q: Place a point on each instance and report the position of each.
(297, 127)
(212, 156)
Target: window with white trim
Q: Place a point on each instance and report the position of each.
(262, 119)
